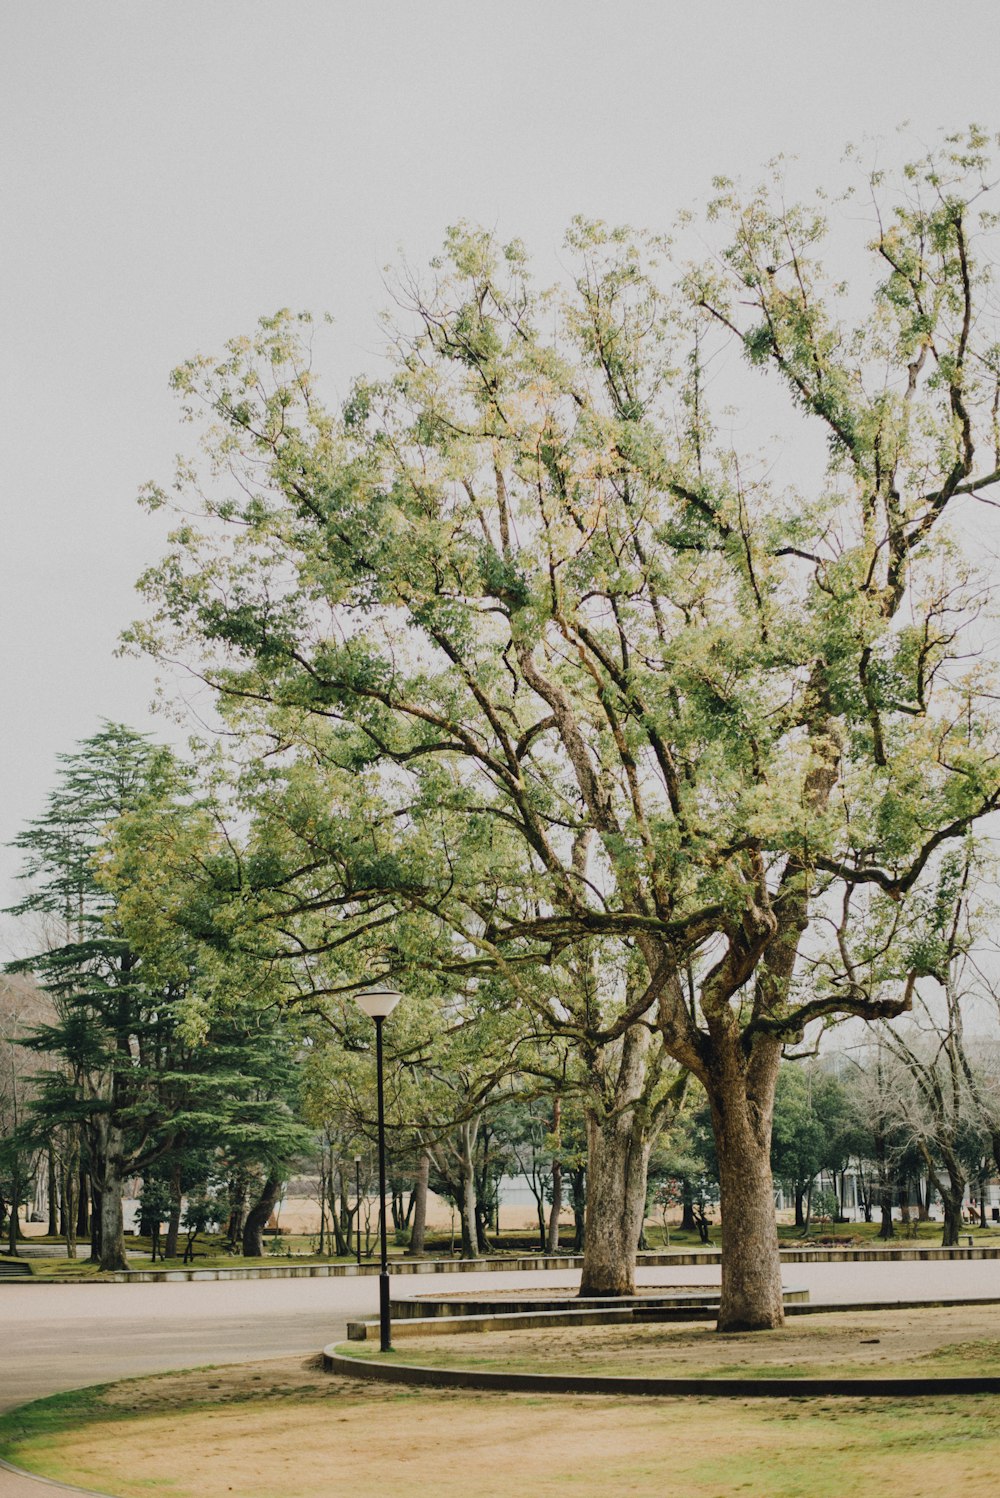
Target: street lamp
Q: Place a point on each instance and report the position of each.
(357, 1207)
(378, 1002)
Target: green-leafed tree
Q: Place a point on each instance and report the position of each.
(539, 596)
(112, 1029)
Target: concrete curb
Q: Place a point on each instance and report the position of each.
(727, 1388)
(686, 1258)
(696, 1307)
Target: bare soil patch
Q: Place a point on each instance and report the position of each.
(284, 1427)
(938, 1340)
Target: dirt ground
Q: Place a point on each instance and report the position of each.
(285, 1427)
(934, 1340)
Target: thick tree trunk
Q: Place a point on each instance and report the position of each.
(741, 1095)
(617, 1163)
(113, 1257)
(256, 1220)
(952, 1227)
(618, 1146)
(800, 1216)
(418, 1237)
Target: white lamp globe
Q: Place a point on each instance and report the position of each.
(378, 1001)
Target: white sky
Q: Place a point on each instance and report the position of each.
(172, 169)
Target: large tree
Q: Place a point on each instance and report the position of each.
(531, 582)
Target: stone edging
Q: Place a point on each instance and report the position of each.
(579, 1383)
(517, 1262)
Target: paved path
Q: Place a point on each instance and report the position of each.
(58, 1337)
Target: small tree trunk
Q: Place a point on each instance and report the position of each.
(470, 1235)
(83, 1205)
(578, 1187)
(53, 1195)
(688, 1223)
(256, 1221)
(418, 1236)
(800, 1216)
(71, 1182)
(923, 1205)
(13, 1230)
(342, 1240)
(552, 1240)
(174, 1219)
(96, 1221)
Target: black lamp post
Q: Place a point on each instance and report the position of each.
(357, 1206)
(378, 1002)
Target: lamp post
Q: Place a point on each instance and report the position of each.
(357, 1206)
(378, 1002)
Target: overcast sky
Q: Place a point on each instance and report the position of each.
(172, 169)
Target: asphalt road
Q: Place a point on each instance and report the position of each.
(57, 1337)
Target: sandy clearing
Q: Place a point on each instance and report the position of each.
(307, 1435)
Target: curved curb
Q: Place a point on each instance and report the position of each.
(580, 1383)
(49, 1482)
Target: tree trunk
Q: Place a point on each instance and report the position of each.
(174, 1219)
(552, 1240)
(741, 1096)
(237, 1209)
(418, 1236)
(688, 1224)
(53, 1195)
(342, 1240)
(618, 1146)
(578, 1188)
(71, 1185)
(470, 1236)
(256, 1219)
(800, 1216)
(952, 1228)
(617, 1162)
(13, 1229)
(112, 1249)
(83, 1205)
(96, 1221)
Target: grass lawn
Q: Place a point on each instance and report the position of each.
(285, 1428)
